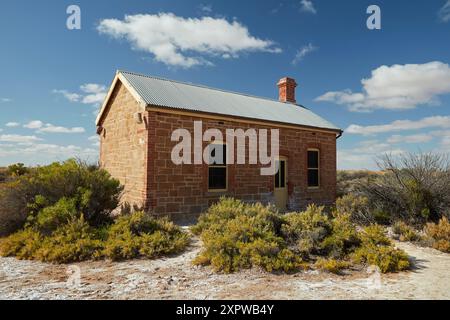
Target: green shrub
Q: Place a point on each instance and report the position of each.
(348, 181)
(387, 258)
(374, 235)
(141, 235)
(92, 190)
(377, 249)
(343, 237)
(439, 234)
(405, 232)
(72, 242)
(17, 170)
(54, 216)
(357, 207)
(133, 236)
(332, 265)
(306, 230)
(21, 245)
(239, 236)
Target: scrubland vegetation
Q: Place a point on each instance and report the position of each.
(62, 213)
(238, 236)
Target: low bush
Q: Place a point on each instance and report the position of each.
(332, 265)
(439, 234)
(307, 230)
(29, 191)
(404, 232)
(141, 235)
(343, 237)
(357, 207)
(387, 258)
(376, 249)
(133, 236)
(348, 181)
(238, 236)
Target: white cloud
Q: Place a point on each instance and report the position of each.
(12, 124)
(205, 8)
(49, 128)
(42, 127)
(5, 100)
(35, 124)
(34, 153)
(414, 138)
(95, 140)
(91, 93)
(444, 12)
(18, 138)
(305, 50)
(307, 6)
(364, 154)
(182, 42)
(401, 125)
(73, 97)
(398, 87)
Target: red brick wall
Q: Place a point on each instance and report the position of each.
(182, 190)
(123, 145)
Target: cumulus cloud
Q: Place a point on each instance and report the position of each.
(90, 93)
(364, 154)
(305, 50)
(12, 124)
(205, 8)
(401, 125)
(18, 138)
(414, 138)
(35, 124)
(36, 153)
(183, 42)
(42, 127)
(398, 87)
(307, 6)
(444, 12)
(95, 140)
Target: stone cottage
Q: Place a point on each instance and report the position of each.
(140, 114)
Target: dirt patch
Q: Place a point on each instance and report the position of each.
(176, 278)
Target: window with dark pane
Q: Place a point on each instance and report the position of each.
(283, 174)
(280, 176)
(277, 175)
(313, 168)
(217, 171)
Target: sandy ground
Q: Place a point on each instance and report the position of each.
(177, 278)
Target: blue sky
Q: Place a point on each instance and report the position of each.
(389, 89)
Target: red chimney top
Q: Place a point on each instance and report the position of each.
(287, 89)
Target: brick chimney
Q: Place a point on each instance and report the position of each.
(287, 89)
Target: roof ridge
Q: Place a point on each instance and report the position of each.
(208, 87)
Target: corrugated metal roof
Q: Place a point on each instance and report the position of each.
(173, 94)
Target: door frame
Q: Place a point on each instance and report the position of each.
(283, 191)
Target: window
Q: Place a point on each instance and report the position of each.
(280, 176)
(217, 170)
(313, 168)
